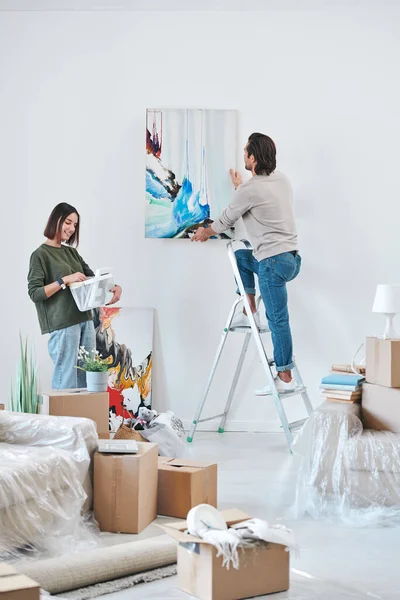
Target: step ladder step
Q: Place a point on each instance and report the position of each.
(296, 392)
(296, 424)
(247, 329)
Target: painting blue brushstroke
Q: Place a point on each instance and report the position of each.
(176, 144)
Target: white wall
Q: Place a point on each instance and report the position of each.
(73, 92)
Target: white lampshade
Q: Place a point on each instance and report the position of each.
(387, 299)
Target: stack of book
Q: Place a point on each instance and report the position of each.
(341, 386)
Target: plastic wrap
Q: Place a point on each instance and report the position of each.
(166, 430)
(44, 481)
(40, 491)
(347, 472)
(75, 435)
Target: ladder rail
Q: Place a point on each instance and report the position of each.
(235, 381)
(213, 370)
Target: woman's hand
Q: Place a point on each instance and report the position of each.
(117, 291)
(74, 278)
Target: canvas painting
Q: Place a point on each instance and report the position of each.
(188, 157)
(125, 337)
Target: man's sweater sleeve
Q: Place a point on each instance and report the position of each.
(36, 280)
(240, 204)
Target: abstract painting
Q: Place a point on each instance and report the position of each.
(124, 336)
(188, 157)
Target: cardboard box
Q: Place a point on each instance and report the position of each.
(2, 406)
(382, 359)
(125, 489)
(183, 484)
(6, 569)
(79, 403)
(17, 587)
(380, 408)
(262, 570)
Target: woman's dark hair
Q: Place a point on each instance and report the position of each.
(264, 151)
(56, 221)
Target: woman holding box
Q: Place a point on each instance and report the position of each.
(53, 266)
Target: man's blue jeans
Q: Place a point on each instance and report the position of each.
(273, 274)
(63, 349)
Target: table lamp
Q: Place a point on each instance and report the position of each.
(387, 302)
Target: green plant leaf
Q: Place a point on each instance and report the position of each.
(25, 396)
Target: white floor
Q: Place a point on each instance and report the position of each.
(257, 474)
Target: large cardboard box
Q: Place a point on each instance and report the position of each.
(17, 587)
(382, 359)
(183, 484)
(79, 403)
(262, 570)
(125, 489)
(380, 408)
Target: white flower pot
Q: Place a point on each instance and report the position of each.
(96, 381)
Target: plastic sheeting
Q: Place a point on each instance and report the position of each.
(44, 482)
(347, 472)
(166, 430)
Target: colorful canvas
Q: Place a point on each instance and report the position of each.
(188, 157)
(125, 337)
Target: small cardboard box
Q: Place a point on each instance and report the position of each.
(125, 489)
(2, 406)
(14, 586)
(382, 359)
(183, 484)
(380, 408)
(262, 570)
(6, 569)
(79, 403)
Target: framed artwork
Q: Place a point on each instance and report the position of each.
(188, 157)
(124, 336)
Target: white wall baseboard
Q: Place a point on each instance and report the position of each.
(237, 425)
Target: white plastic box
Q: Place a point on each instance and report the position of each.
(93, 292)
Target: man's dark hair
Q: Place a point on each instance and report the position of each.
(264, 151)
(56, 221)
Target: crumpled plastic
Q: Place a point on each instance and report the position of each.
(44, 483)
(346, 472)
(167, 431)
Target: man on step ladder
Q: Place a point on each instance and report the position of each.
(265, 202)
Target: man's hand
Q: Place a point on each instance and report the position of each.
(202, 234)
(117, 291)
(236, 178)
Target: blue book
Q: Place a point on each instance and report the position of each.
(338, 386)
(343, 379)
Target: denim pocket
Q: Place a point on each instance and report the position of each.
(286, 266)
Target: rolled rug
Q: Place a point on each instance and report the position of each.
(72, 571)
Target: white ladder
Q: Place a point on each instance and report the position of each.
(267, 363)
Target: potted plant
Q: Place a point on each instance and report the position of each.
(96, 368)
(24, 396)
